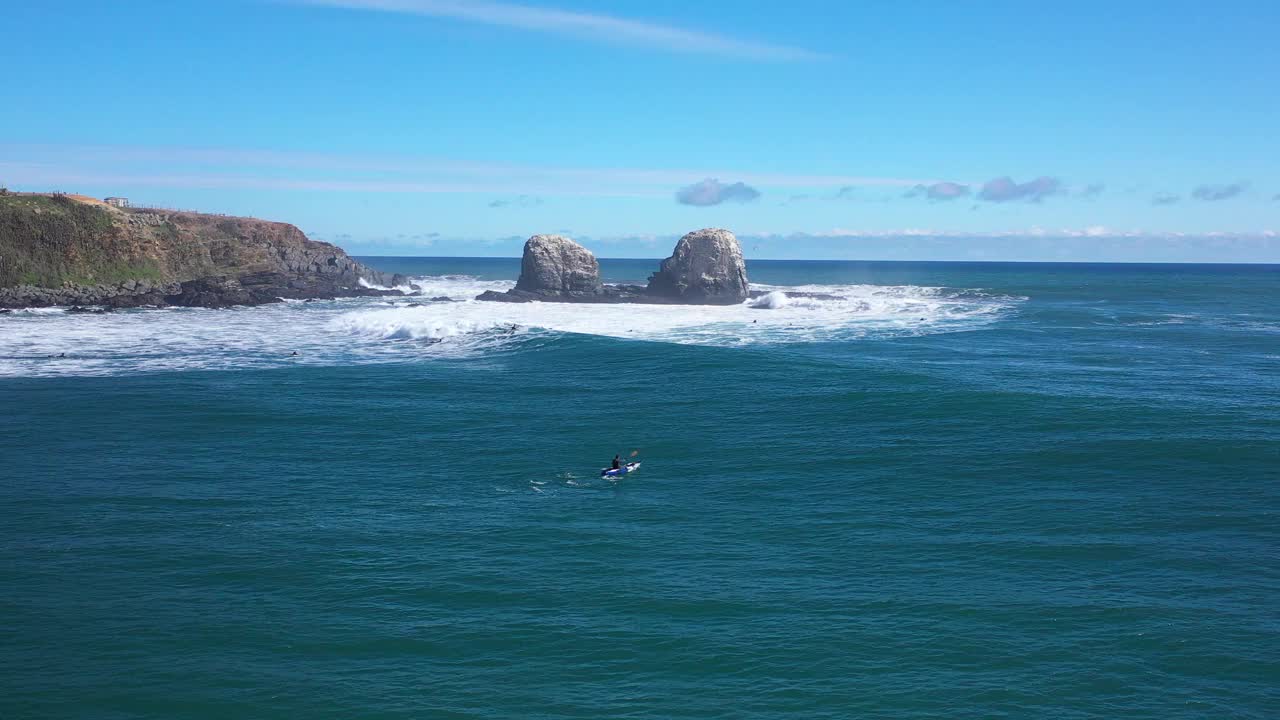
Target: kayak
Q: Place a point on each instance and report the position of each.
(618, 472)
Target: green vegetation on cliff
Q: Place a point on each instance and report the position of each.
(52, 240)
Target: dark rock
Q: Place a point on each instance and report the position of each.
(607, 294)
(211, 293)
(264, 278)
(705, 268)
(510, 296)
(120, 302)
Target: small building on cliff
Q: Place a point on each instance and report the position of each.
(117, 201)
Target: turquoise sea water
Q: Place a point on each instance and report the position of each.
(962, 490)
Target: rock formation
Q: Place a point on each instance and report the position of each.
(706, 268)
(553, 264)
(557, 269)
(56, 250)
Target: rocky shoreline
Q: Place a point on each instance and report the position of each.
(211, 292)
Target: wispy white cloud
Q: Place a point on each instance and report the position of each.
(289, 170)
(591, 26)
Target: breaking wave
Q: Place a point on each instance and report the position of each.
(441, 319)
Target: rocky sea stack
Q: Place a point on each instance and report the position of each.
(706, 268)
(72, 250)
(557, 265)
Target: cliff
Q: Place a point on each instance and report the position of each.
(57, 249)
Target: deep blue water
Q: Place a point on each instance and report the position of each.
(968, 490)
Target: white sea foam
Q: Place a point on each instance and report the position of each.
(770, 301)
(826, 313)
(372, 330)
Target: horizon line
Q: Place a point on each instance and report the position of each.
(855, 260)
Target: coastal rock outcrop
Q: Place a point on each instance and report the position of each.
(557, 269)
(705, 268)
(555, 264)
(58, 250)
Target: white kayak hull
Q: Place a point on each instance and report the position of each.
(619, 472)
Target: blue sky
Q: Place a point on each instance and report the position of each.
(931, 130)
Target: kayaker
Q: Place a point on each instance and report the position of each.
(617, 462)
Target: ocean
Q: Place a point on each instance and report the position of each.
(956, 490)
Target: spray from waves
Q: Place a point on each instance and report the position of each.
(441, 319)
(811, 313)
(454, 287)
(770, 301)
(427, 326)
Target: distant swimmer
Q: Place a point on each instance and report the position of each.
(293, 354)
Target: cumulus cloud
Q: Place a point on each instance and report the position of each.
(713, 192)
(939, 191)
(1089, 192)
(1213, 193)
(1004, 189)
(1165, 198)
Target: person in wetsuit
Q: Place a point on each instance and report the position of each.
(617, 462)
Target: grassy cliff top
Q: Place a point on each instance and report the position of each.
(56, 240)
(51, 240)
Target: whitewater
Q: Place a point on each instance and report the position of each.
(423, 325)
